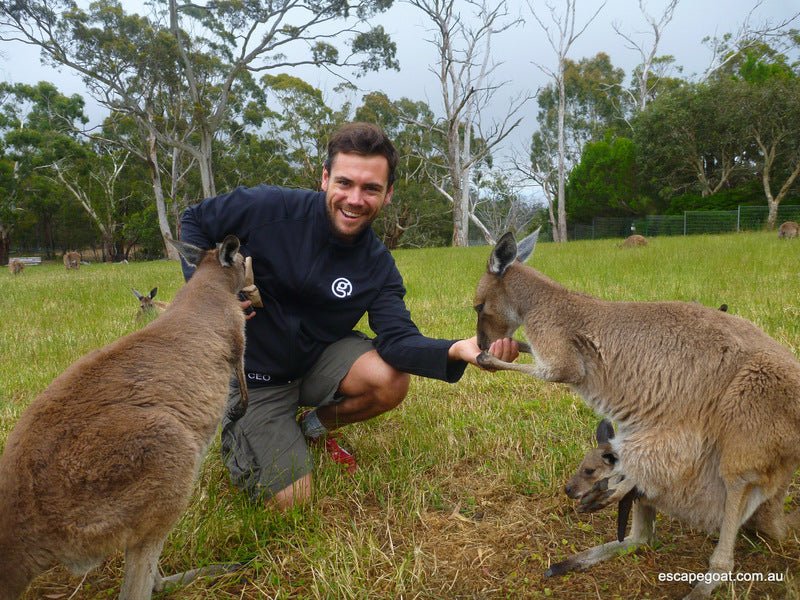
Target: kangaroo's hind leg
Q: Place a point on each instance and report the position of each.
(141, 570)
(642, 532)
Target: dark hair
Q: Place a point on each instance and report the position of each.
(365, 139)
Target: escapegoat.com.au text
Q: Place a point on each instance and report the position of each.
(728, 577)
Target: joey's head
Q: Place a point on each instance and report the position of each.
(495, 301)
(598, 463)
(224, 257)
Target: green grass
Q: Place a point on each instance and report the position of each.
(459, 490)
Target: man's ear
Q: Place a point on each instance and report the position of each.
(389, 194)
(325, 179)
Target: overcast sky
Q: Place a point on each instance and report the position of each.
(519, 50)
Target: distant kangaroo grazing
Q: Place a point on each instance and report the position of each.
(707, 405)
(148, 306)
(15, 266)
(105, 458)
(634, 241)
(789, 229)
(72, 260)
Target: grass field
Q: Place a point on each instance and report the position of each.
(458, 494)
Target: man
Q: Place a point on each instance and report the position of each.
(319, 268)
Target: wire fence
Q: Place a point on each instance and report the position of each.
(691, 222)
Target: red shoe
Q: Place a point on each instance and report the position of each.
(339, 455)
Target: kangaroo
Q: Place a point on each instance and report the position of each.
(634, 241)
(105, 458)
(788, 230)
(598, 465)
(72, 260)
(15, 266)
(148, 306)
(707, 405)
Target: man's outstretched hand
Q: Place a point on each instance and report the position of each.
(467, 350)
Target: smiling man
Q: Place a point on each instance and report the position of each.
(319, 268)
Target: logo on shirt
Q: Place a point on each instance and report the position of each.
(342, 287)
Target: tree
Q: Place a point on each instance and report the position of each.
(648, 55)
(774, 123)
(695, 137)
(38, 125)
(561, 42)
(464, 76)
(592, 96)
(181, 88)
(606, 181)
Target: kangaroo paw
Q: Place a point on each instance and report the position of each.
(605, 492)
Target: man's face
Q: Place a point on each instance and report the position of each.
(355, 191)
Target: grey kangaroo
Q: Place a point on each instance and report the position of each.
(105, 458)
(707, 405)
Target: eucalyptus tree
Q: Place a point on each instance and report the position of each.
(299, 119)
(464, 71)
(695, 138)
(561, 35)
(181, 86)
(585, 110)
(37, 125)
(645, 86)
(774, 123)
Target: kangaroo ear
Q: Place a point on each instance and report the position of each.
(504, 253)
(525, 247)
(191, 254)
(227, 250)
(153, 293)
(605, 431)
(137, 294)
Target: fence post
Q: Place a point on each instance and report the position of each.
(738, 217)
(684, 222)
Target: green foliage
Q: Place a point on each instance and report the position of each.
(606, 181)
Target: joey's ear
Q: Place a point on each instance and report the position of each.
(504, 253)
(526, 246)
(137, 294)
(153, 293)
(191, 254)
(228, 249)
(605, 431)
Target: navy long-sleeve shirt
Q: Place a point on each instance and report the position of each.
(315, 287)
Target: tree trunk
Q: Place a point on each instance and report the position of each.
(562, 158)
(5, 244)
(158, 192)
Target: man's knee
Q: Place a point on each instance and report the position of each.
(296, 494)
(393, 388)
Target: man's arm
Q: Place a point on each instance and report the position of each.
(400, 343)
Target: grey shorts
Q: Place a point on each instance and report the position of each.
(265, 451)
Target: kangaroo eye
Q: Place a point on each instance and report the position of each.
(479, 308)
(588, 472)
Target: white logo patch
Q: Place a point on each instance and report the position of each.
(342, 287)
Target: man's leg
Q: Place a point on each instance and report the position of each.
(370, 388)
(264, 451)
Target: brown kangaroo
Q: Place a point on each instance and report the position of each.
(788, 230)
(72, 260)
(148, 307)
(15, 266)
(707, 404)
(105, 458)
